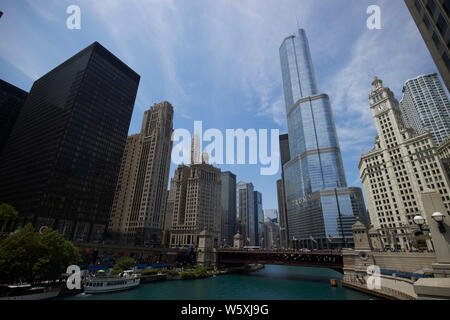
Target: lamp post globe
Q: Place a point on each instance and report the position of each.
(438, 217)
(419, 220)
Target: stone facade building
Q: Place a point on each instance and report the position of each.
(139, 207)
(401, 165)
(444, 154)
(196, 200)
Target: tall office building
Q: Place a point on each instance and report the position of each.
(228, 218)
(320, 207)
(272, 234)
(60, 165)
(245, 212)
(432, 20)
(196, 205)
(139, 207)
(11, 102)
(402, 164)
(282, 207)
(425, 107)
(281, 196)
(271, 214)
(259, 219)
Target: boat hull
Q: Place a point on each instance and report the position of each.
(113, 288)
(35, 296)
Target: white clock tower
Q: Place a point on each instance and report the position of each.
(394, 173)
(387, 115)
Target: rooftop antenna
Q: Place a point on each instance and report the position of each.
(297, 23)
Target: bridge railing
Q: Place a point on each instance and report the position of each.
(361, 282)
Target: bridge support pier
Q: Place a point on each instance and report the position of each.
(206, 255)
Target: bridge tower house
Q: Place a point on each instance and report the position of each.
(238, 241)
(206, 253)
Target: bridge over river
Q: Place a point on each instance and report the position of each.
(317, 258)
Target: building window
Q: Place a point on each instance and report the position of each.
(442, 25)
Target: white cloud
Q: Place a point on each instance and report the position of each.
(394, 54)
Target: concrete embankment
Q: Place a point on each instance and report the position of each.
(392, 288)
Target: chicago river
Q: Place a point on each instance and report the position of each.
(271, 283)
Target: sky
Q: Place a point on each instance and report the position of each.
(218, 61)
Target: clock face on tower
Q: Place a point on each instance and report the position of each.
(381, 107)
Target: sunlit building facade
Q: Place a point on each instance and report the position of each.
(425, 106)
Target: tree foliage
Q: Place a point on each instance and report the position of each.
(7, 214)
(29, 256)
(124, 263)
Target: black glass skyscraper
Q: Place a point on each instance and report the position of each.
(11, 102)
(228, 221)
(285, 156)
(61, 162)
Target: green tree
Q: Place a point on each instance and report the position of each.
(7, 214)
(122, 264)
(150, 272)
(18, 253)
(57, 255)
(27, 255)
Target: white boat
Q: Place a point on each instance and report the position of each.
(102, 284)
(28, 292)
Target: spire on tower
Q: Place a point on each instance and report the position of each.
(377, 83)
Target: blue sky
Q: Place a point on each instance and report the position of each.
(217, 60)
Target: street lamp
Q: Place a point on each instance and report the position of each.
(419, 220)
(439, 218)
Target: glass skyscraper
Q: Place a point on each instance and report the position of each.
(425, 106)
(11, 103)
(61, 162)
(320, 207)
(228, 220)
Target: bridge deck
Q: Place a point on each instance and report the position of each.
(321, 259)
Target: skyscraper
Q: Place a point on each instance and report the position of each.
(271, 214)
(245, 208)
(425, 106)
(271, 234)
(11, 102)
(228, 220)
(196, 152)
(196, 205)
(139, 206)
(259, 219)
(432, 20)
(285, 156)
(320, 207)
(60, 165)
(284, 235)
(401, 165)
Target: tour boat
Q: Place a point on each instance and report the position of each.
(28, 292)
(103, 284)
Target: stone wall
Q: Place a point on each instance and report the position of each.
(404, 261)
